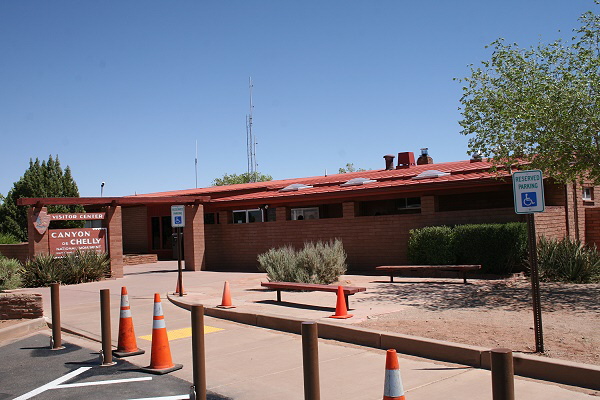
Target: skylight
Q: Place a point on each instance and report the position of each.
(357, 182)
(294, 187)
(431, 173)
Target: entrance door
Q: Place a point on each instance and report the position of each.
(162, 237)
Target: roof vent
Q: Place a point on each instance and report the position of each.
(431, 173)
(424, 157)
(389, 162)
(294, 187)
(406, 159)
(357, 182)
(476, 157)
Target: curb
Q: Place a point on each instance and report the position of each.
(525, 365)
(22, 329)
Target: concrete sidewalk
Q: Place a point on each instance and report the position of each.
(247, 362)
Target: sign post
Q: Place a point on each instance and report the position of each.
(178, 221)
(528, 190)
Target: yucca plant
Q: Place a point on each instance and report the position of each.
(42, 270)
(568, 260)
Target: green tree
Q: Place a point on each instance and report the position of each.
(539, 104)
(349, 168)
(234, 179)
(45, 179)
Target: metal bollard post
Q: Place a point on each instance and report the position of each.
(310, 361)
(56, 342)
(198, 353)
(105, 327)
(503, 377)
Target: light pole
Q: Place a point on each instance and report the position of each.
(101, 189)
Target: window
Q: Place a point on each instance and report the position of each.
(588, 194)
(247, 216)
(211, 218)
(161, 233)
(305, 213)
(408, 205)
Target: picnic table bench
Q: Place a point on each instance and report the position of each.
(461, 269)
(312, 287)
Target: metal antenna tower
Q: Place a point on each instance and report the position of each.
(251, 141)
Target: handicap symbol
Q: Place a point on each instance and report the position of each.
(529, 199)
(177, 220)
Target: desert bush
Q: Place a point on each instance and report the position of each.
(321, 262)
(432, 245)
(568, 260)
(7, 238)
(499, 248)
(10, 273)
(78, 267)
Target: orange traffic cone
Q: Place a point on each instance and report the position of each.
(392, 389)
(177, 288)
(226, 300)
(127, 345)
(341, 311)
(160, 356)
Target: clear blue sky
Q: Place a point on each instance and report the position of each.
(121, 90)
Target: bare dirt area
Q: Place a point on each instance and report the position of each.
(497, 313)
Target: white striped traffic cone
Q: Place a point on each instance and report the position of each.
(160, 356)
(393, 389)
(127, 345)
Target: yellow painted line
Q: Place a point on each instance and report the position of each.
(183, 333)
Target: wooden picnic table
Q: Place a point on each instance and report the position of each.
(279, 286)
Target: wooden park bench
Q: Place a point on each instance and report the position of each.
(311, 287)
(461, 269)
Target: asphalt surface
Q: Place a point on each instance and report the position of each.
(30, 369)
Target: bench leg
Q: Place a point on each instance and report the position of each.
(347, 302)
(279, 296)
(465, 276)
(392, 277)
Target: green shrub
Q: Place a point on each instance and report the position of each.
(568, 260)
(499, 248)
(322, 262)
(432, 245)
(316, 263)
(78, 267)
(7, 238)
(10, 273)
(42, 270)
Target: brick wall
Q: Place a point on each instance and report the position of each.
(369, 241)
(19, 251)
(592, 231)
(135, 230)
(20, 306)
(551, 223)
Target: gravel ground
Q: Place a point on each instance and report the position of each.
(498, 313)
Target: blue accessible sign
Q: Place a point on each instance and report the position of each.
(528, 190)
(177, 216)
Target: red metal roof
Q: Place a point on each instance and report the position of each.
(460, 171)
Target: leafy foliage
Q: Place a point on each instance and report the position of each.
(246, 177)
(568, 260)
(432, 245)
(78, 267)
(319, 262)
(7, 238)
(10, 273)
(45, 179)
(540, 104)
(350, 168)
(499, 248)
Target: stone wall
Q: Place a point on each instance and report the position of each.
(21, 306)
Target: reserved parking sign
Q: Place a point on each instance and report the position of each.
(528, 191)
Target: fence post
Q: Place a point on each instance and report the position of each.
(310, 361)
(106, 355)
(56, 343)
(503, 379)
(198, 354)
